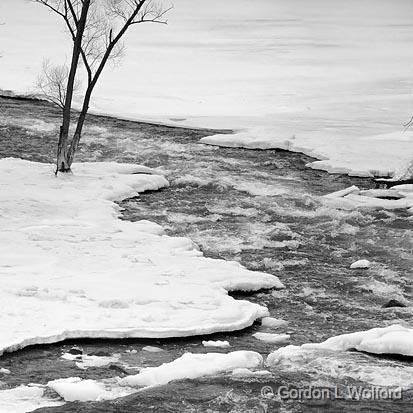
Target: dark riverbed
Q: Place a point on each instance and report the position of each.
(263, 209)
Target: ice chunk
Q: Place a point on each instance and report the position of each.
(76, 389)
(360, 264)
(24, 399)
(217, 343)
(272, 337)
(191, 366)
(394, 339)
(152, 349)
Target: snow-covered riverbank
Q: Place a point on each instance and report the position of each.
(72, 269)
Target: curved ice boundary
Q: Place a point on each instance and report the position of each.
(385, 155)
(70, 268)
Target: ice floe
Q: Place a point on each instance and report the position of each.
(399, 197)
(273, 322)
(191, 366)
(272, 337)
(77, 389)
(394, 339)
(217, 343)
(23, 399)
(364, 264)
(74, 388)
(72, 269)
(152, 349)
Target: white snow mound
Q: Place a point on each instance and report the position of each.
(191, 366)
(70, 268)
(360, 264)
(217, 343)
(394, 339)
(74, 388)
(272, 337)
(23, 399)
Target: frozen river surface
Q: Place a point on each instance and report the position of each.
(298, 65)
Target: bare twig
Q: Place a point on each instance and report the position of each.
(408, 124)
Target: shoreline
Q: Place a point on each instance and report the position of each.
(8, 94)
(379, 179)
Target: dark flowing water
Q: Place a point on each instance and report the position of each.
(263, 209)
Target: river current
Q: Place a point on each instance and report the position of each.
(261, 208)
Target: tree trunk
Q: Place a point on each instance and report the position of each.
(63, 162)
(79, 127)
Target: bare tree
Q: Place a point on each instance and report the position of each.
(96, 28)
(52, 81)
